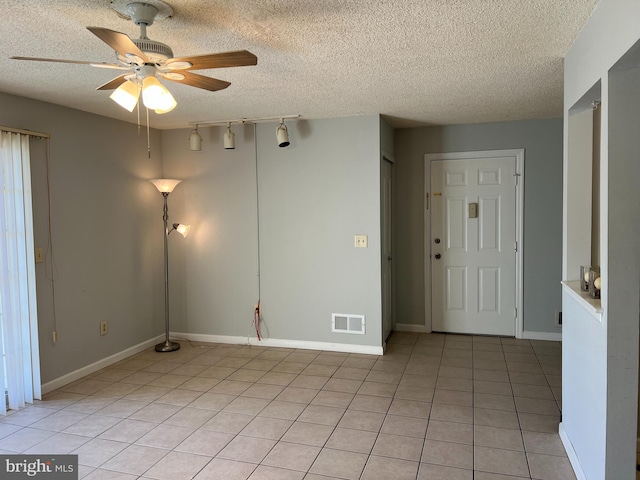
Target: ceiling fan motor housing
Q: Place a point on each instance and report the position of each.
(157, 52)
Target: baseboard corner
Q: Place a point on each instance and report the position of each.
(411, 327)
(548, 336)
(100, 364)
(571, 453)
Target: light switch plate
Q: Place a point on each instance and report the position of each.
(361, 241)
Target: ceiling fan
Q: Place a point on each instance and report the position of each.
(144, 60)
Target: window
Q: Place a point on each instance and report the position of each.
(18, 312)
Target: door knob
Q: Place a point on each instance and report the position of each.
(437, 240)
(438, 256)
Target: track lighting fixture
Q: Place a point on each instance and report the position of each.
(195, 140)
(282, 135)
(229, 138)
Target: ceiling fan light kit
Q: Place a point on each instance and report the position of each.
(147, 59)
(155, 96)
(126, 95)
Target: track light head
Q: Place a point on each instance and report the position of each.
(229, 138)
(282, 135)
(195, 140)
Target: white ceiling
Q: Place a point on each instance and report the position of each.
(417, 62)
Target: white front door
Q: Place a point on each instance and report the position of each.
(473, 245)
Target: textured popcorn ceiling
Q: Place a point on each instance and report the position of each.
(417, 62)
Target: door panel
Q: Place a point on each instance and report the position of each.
(473, 260)
(489, 224)
(456, 289)
(456, 224)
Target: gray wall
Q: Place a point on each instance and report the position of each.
(106, 222)
(214, 271)
(309, 200)
(542, 141)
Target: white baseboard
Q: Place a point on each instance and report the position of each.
(100, 364)
(275, 342)
(554, 337)
(410, 327)
(571, 453)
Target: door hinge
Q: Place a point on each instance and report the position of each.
(517, 177)
(516, 246)
(515, 312)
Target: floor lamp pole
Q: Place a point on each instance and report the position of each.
(167, 345)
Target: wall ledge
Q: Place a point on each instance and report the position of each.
(276, 342)
(591, 305)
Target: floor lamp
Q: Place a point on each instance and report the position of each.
(166, 186)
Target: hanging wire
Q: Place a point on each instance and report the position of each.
(51, 267)
(257, 312)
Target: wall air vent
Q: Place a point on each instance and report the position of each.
(347, 323)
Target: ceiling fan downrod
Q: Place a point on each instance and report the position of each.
(143, 15)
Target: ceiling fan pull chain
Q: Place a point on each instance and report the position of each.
(148, 135)
(138, 104)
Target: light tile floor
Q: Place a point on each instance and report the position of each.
(434, 407)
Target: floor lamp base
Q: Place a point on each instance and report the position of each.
(167, 346)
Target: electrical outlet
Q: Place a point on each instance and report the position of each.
(104, 327)
(361, 241)
(558, 322)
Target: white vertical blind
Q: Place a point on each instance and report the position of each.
(18, 311)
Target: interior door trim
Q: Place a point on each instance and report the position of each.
(519, 179)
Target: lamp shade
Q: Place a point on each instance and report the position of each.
(126, 95)
(182, 229)
(155, 96)
(171, 104)
(165, 185)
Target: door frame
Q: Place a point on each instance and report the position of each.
(386, 157)
(519, 179)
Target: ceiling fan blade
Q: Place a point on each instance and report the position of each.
(240, 58)
(78, 62)
(120, 42)
(113, 84)
(195, 80)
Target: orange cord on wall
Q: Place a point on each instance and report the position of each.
(257, 316)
